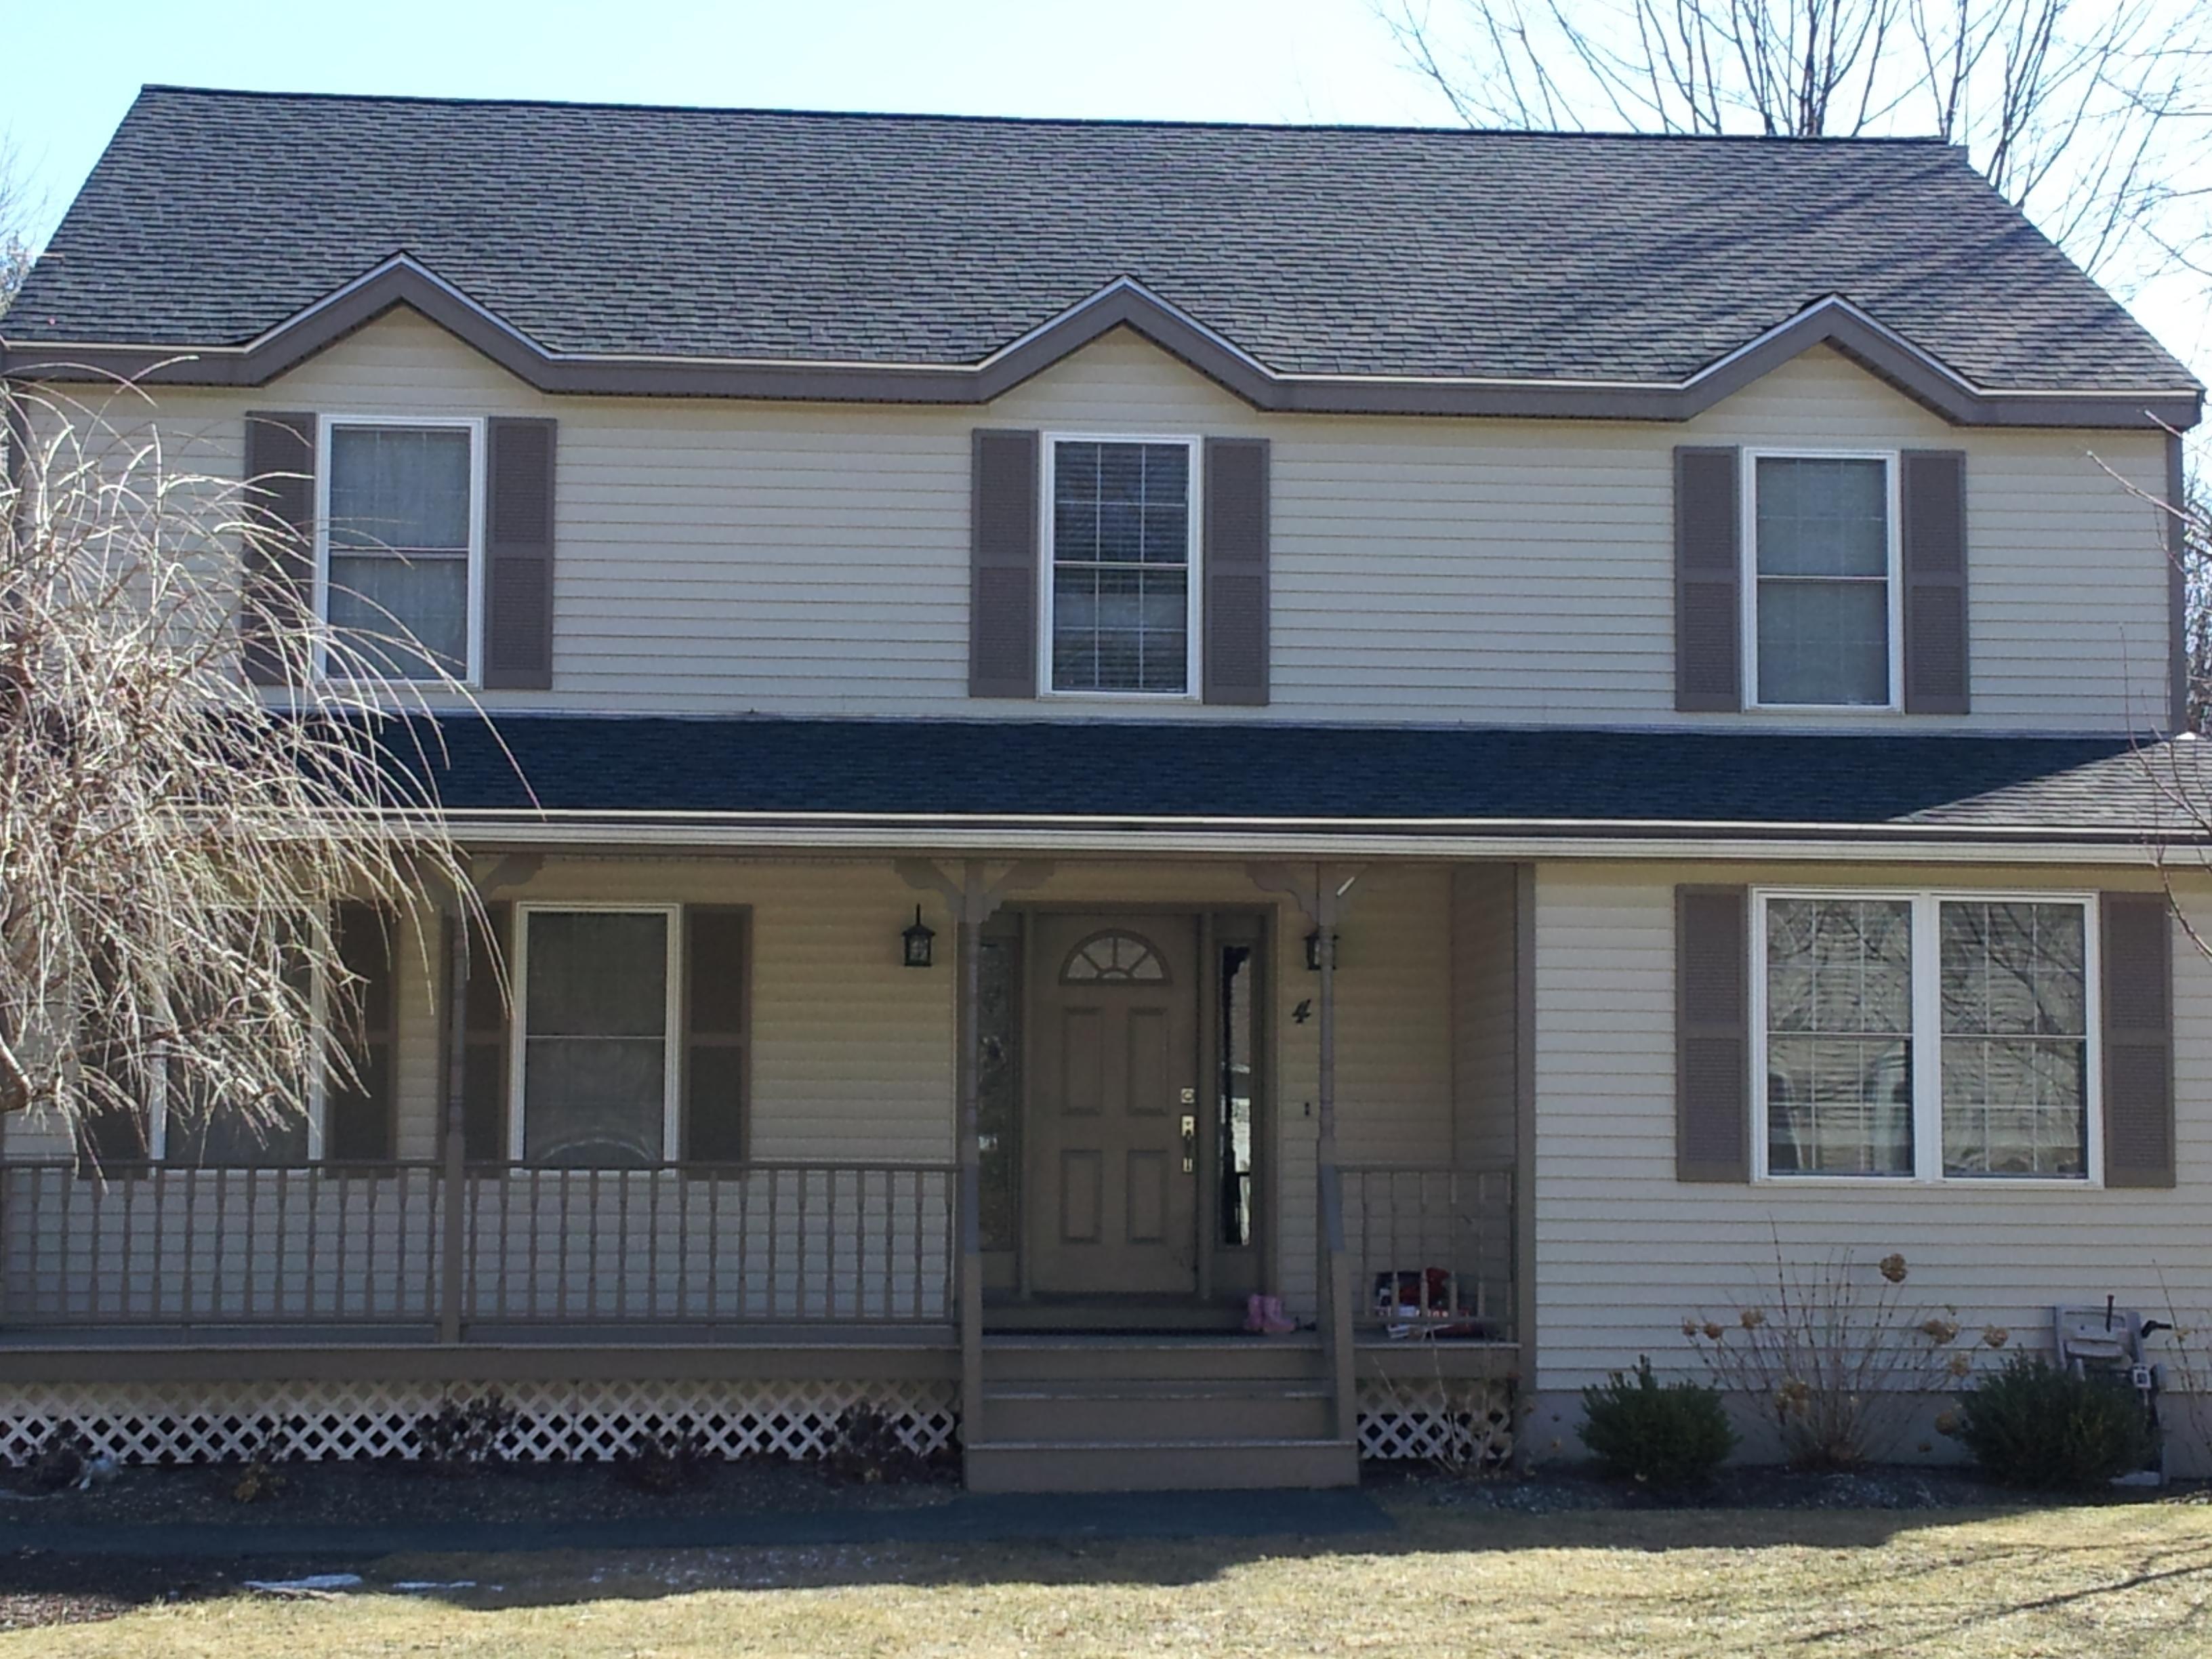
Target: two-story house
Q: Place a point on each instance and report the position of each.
(1098, 720)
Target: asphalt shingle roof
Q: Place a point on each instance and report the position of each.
(1158, 770)
(213, 216)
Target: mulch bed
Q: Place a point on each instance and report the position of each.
(367, 1492)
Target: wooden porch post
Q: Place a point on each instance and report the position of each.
(455, 1173)
(973, 895)
(1320, 896)
(970, 1281)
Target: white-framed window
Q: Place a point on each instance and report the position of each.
(594, 1070)
(1925, 1036)
(399, 555)
(1120, 542)
(1823, 598)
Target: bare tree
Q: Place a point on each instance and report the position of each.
(174, 840)
(2093, 117)
(14, 227)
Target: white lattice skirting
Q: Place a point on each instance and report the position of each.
(1468, 1424)
(191, 1423)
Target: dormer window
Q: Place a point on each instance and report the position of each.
(401, 544)
(1822, 618)
(1121, 557)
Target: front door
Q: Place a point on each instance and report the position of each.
(1113, 1106)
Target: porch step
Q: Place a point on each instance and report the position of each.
(1244, 1464)
(1011, 1360)
(1133, 1411)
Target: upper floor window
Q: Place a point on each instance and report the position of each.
(1824, 618)
(399, 579)
(1120, 553)
(1936, 1036)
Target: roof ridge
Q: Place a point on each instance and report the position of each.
(1927, 141)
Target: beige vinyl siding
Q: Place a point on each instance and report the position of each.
(1624, 1252)
(813, 559)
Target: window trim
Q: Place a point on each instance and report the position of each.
(1747, 557)
(476, 427)
(1927, 1037)
(1193, 637)
(518, 1036)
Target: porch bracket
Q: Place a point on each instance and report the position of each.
(973, 891)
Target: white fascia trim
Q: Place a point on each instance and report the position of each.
(710, 832)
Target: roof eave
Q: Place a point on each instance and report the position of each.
(402, 281)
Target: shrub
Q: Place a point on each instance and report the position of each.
(2033, 1425)
(465, 1434)
(869, 1449)
(665, 1459)
(60, 1462)
(1668, 1437)
(1833, 1358)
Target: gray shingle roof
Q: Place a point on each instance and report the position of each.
(1568, 781)
(213, 216)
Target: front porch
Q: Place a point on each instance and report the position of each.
(1353, 1156)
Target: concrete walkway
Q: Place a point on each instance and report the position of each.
(967, 1519)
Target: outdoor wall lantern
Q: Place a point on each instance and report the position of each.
(918, 938)
(1313, 950)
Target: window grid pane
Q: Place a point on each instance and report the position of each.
(1121, 579)
(399, 570)
(595, 1052)
(1821, 541)
(2015, 1039)
(1839, 1036)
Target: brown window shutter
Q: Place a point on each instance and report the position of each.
(717, 1006)
(1708, 577)
(280, 547)
(1932, 494)
(517, 649)
(483, 1036)
(1236, 506)
(360, 1124)
(1712, 1034)
(1002, 596)
(2135, 938)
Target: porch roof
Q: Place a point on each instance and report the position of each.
(1193, 775)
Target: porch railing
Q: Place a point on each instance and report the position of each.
(1432, 1250)
(364, 1244)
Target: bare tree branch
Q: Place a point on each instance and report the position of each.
(173, 841)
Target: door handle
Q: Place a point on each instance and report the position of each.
(1189, 1144)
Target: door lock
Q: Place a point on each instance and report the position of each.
(1189, 1143)
(1190, 1097)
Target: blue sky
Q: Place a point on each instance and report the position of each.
(1256, 60)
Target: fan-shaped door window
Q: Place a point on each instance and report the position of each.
(1114, 957)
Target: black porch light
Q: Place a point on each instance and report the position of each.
(1313, 950)
(918, 939)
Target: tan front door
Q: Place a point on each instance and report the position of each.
(1113, 1106)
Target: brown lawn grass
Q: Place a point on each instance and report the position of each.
(2108, 1581)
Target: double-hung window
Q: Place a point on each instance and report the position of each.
(595, 1060)
(1121, 543)
(398, 581)
(1923, 1035)
(1821, 595)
